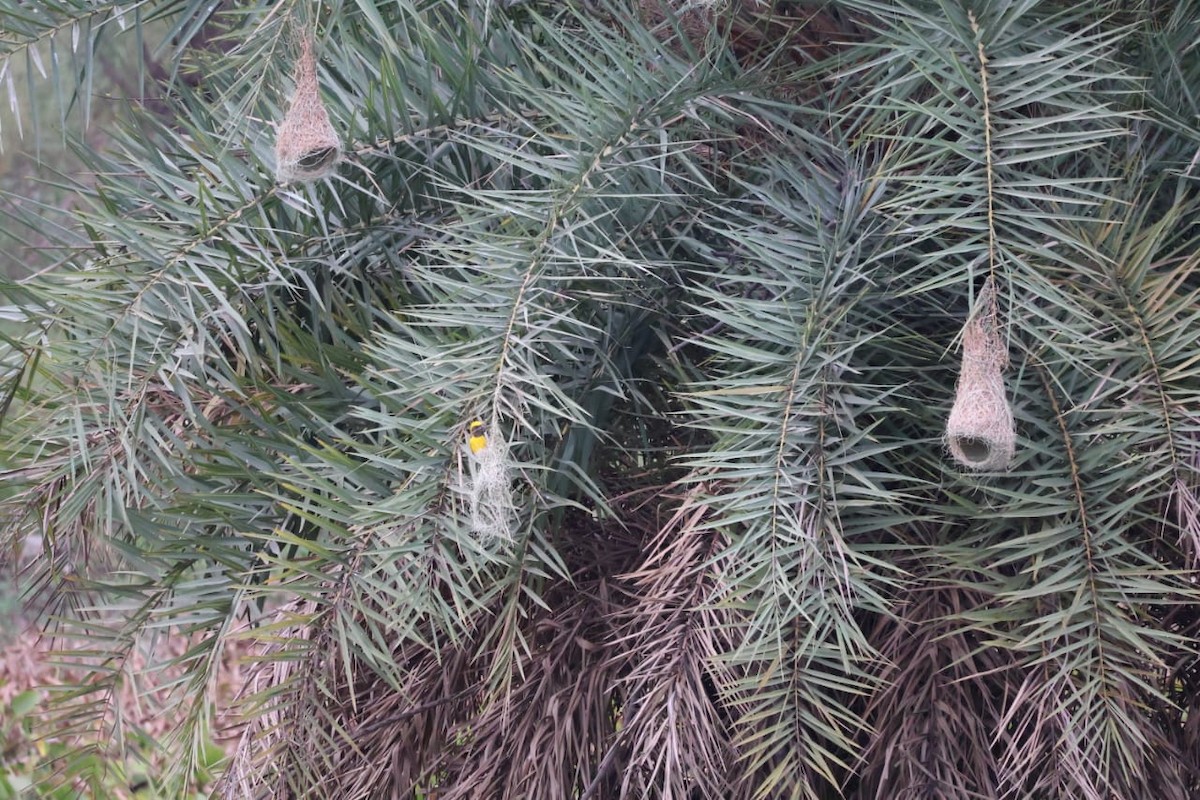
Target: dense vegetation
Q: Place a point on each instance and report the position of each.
(703, 278)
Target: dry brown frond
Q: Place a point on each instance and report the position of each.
(678, 741)
(938, 704)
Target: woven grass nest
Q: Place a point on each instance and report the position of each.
(980, 432)
(490, 489)
(307, 147)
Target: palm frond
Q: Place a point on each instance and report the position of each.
(581, 435)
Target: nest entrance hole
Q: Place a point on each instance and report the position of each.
(974, 449)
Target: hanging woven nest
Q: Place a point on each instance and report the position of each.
(490, 492)
(307, 147)
(980, 431)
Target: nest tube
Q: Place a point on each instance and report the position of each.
(307, 147)
(980, 432)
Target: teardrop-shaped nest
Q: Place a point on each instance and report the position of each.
(307, 147)
(980, 432)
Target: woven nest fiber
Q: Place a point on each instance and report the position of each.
(980, 432)
(491, 496)
(307, 147)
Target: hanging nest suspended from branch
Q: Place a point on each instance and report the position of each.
(980, 431)
(307, 147)
(490, 490)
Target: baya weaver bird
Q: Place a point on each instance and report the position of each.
(478, 434)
